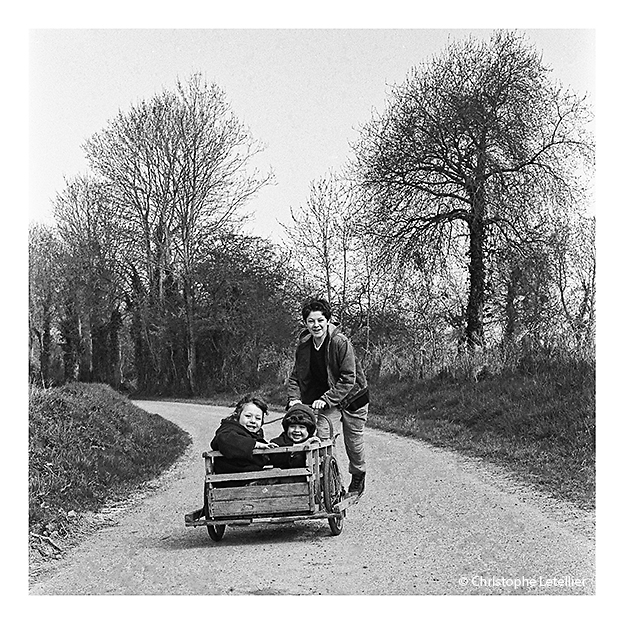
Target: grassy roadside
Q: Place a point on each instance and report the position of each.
(540, 425)
(88, 444)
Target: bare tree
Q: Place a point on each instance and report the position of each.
(178, 166)
(314, 234)
(476, 141)
(211, 184)
(574, 259)
(331, 255)
(92, 269)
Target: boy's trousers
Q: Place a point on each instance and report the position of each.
(352, 430)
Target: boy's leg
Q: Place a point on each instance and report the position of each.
(322, 428)
(353, 428)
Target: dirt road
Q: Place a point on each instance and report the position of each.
(430, 522)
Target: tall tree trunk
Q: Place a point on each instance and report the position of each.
(86, 350)
(46, 345)
(136, 330)
(99, 352)
(327, 278)
(191, 338)
(70, 332)
(106, 357)
(114, 350)
(476, 270)
(140, 350)
(511, 314)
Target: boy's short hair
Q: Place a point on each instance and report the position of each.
(315, 304)
(258, 401)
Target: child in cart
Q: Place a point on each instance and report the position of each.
(299, 426)
(236, 438)
(239, 434)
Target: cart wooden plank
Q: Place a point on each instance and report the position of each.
(277, 490)
(252, 506)
(258, 474)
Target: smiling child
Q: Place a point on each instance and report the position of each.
(239, 434)
(299, 426)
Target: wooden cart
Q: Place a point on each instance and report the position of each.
(275, 495)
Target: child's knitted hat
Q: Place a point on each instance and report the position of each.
(300, 414)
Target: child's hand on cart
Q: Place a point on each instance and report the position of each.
(265, 445)
(311, 440)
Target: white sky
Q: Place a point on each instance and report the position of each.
(303, 93)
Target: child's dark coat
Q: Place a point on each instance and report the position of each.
(287, 460)
(236, 444)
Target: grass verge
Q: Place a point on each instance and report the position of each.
(88, 444)
(540, 425)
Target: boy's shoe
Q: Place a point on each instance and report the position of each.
(356, 487)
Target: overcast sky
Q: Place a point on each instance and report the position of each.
(303, 93)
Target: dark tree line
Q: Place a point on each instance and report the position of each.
(151, 256)
(457, 230)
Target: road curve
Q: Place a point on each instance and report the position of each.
(431, 522)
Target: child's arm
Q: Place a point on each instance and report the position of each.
(265, 445)
(235, 445)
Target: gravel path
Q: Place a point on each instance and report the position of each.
(430, 522)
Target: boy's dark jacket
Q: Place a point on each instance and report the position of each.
(345, 376)
(236, 444)
(287, 460)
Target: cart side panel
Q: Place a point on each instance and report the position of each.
(274, 490)
(254, 507)
(260, 474)
(259, 499)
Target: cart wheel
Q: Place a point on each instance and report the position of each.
(332, 492)
(216, 531)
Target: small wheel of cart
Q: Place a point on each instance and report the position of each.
(216, 531)
(332, 493)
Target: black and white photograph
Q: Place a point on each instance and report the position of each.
(312, 313)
